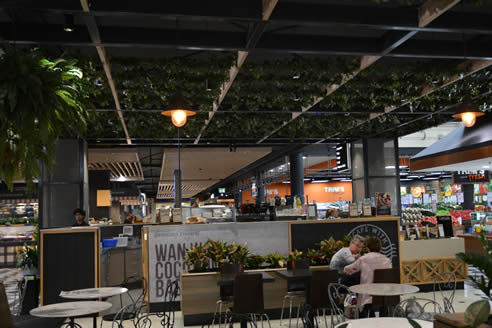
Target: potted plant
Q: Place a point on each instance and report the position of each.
(216, 251)
(275, 260)
(27, 260)
(197, 258)
(236, 258)
(297, 260)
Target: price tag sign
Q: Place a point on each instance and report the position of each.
(366, 210)
(353, 210)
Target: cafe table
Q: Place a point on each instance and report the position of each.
(382, 323)
(70, 310)
(383, 289)
(93, 293)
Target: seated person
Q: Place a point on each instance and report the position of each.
(346, 256)
(366, 265)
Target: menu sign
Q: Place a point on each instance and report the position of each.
(471, 176)
(343, 157)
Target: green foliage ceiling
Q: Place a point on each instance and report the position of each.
(281, 86)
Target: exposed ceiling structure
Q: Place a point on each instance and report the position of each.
(123, 164)
(263, 73)
(201, 168)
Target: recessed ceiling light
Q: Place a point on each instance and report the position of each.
(405, 179)
(319, 181)
(389, 167)
(296, 76)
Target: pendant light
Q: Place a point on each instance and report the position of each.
(468, 114)
(178, 110)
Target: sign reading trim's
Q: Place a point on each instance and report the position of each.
(471, 176)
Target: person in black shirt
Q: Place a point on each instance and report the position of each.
(79, 218)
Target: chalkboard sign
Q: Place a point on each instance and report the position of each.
(305, 235)
(69, 260)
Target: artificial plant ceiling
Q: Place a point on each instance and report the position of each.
(265, 94)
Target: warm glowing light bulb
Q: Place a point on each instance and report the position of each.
(468, 119)
(179, 118)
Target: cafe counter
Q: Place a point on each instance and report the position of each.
(422, 261)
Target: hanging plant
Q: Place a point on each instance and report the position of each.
(40, 100)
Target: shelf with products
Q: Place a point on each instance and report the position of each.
(18, 208)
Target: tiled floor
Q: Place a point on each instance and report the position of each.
(463, 298)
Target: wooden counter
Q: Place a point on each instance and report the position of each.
(474, 245)
(422, 261)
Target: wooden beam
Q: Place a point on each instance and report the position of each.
(268, 7)
(101, 52)
(428, 12)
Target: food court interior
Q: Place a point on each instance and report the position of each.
(212, 163)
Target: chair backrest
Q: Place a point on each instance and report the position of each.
(320, 279)
(170, 305)
(337, 294)
(5, 314)
(131, 311)
(248, 293)
(446, 286)
(415, 308)
(389, 276)
(132, 283)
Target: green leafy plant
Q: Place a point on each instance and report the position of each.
(254, 261)
(40, 100)
(483, 262)
(27, 257)
(316, 257)
(217, 251)
(477, 313)
(197, 257)
(237, 254)
(275, 260)
(295, 255)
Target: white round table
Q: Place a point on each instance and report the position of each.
(93, 293)
(384, 322)
(384, 289)
(70, 310)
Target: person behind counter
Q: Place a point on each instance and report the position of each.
(79, 218)
(129, 219)
(331, 213)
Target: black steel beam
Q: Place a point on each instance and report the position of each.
(236, 41)
(304, 14)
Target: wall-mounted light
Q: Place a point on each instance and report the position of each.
(468, 114)
(179, 110)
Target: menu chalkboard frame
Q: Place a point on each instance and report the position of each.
(90, 273)
(325, 228)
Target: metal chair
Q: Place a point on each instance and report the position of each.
(132, 311)
(447, 283)
(415, 308)
(337, 294)
(168, 313)
(136, 312)
(295, 291)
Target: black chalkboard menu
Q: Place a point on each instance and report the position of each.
(308, 234)
(69, 260)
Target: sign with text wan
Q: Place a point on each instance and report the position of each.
(168, 245)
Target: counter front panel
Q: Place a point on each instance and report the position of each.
(167, 246)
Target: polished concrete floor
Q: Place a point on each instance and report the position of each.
(462, 299)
